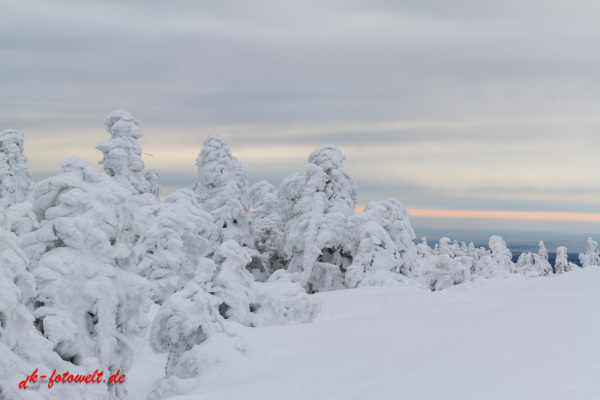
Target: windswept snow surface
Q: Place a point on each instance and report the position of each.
(514, 338)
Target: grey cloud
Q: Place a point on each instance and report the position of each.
(190, 68)
(237, 69)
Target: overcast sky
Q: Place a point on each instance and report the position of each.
(459, 104)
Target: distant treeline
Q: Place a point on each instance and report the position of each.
(572, 257)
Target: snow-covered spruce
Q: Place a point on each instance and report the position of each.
(534, 264)
(15, 185)
(170, 251)
(15, 177)
(17, 289)
(442, 266)
(380, 242)
(222, 190)
(152, 177)
(186, 319)
(22, 348)
(233, 283)
(123, 154)
(423, 248)
(315, 207)
(394, 218)
(590, 257)
(442, 271)
(184, 322)
(467, 254)
(501, 254)
(253, 303)
(562, 263)
(524, 264)
(265, 221)
(497, 263)
(122, 161)
(86, 306)
(541, 263)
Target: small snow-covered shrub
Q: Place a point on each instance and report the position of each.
(590, 257)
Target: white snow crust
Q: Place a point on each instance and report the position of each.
(516, 338)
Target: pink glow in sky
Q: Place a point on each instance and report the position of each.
(503, 215)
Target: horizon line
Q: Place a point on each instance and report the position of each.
(499, 214)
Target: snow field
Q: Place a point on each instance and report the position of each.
(515, 338)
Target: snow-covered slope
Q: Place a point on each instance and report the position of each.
(515, 338)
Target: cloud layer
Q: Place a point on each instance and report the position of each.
(465, 104)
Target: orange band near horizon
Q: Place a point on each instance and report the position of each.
(514, 215)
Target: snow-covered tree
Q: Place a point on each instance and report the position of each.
(340, 187)
(541, 265)
(476, 254)
(496, 263)
(151, 176)
(442, 271)
(381, 245)
(282, 303)
(443, 266)
(315, 208)
(376, 259)
(444, 247)
(186, 319)
(532, 264)
(590, 257)
(170, 251)
(22, 347)
(17, 289)
(487, 267)
(253, 303)
(394, 217)
(15, 185)
(15, 178)
(122, 161)
(501, 254)
(525, 264)
(265, 221)
(123, 154)
(423, 248)
(542, 252)
(561, 263)
(233, 283)
(464, 254)
(86, 306)
(456, 248)
(222, 190)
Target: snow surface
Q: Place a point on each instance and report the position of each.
(514, 338)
